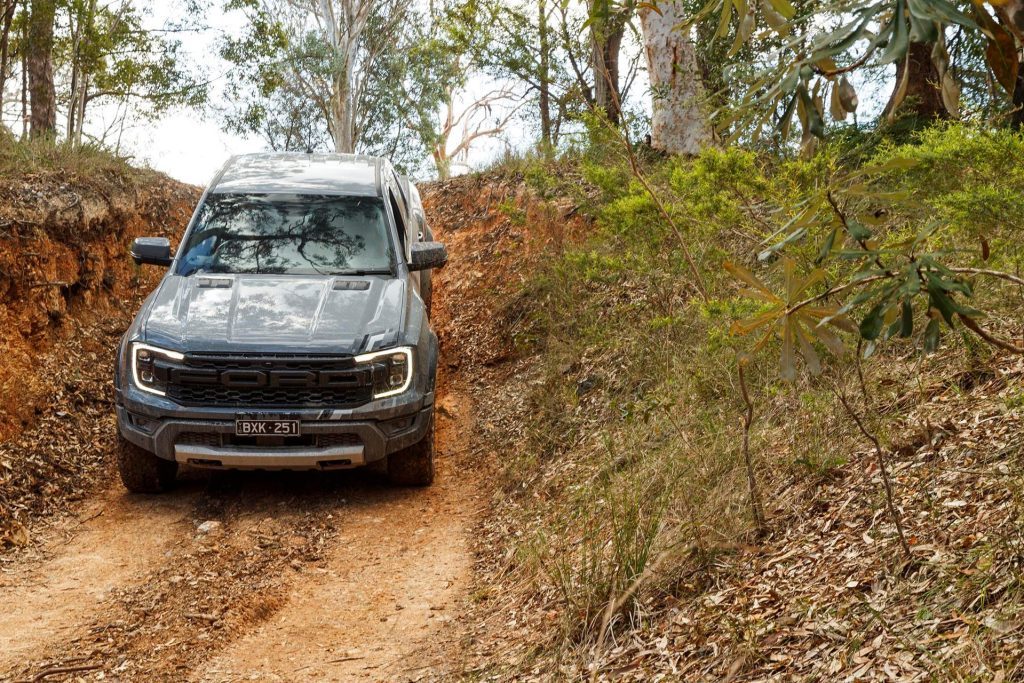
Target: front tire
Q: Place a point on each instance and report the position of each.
(143, 472)
(414, 466)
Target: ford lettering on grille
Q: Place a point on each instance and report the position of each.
(275, 379)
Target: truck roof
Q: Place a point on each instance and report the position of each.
(296, 173)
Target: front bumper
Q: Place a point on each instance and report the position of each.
(373, 432)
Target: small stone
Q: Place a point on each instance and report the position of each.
(208, 526)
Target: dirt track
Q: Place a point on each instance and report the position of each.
(306, 577)
(261, 576)
(254, 576)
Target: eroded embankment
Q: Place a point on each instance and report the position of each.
(67, 292)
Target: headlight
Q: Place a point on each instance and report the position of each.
(391, 370)
(144, 370)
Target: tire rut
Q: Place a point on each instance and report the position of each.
(45, 600)
(392, 579)
(294, 576)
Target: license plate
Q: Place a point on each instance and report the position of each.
(266, 427)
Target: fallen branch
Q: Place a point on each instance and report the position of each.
(46, 673)
(977, 329)
(880, 453)
(1009, 277)
(748, 420)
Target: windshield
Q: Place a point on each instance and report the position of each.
(288, 234)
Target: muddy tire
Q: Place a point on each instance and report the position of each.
(414, 466)
(143, 472)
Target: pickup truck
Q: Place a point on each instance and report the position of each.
(291, 330)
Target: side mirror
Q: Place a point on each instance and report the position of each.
(155, 251)
(427, 255)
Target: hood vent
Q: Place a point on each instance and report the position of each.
(351, 285)
(215, 282)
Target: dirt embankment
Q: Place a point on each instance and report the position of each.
(62, 265)
(67, 292)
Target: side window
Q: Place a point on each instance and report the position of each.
(400, 222)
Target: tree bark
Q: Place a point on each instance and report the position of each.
(345, 21)
(24, 96)
(544, 77)
(342, 110)
(924, 87)
(680, 124)
(39, 62)
(607, 27)
(9, 7)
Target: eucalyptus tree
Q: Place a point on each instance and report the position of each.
(608, 22)
(38, 61)
(681, 123)
(349, 75)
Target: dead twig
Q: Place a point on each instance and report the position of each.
(883, 469)
(57, 670)
(748, 420)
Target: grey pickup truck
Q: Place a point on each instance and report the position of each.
(291, 330)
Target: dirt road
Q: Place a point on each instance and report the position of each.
(263, 576)
(250, 576)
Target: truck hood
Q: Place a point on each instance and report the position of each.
(276, 313)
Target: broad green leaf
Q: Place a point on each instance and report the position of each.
(807, 350)
(745, 327)
(795, 236)
(871, 326)
(907, 319)
(931, 336)
(788, 360)
(899, 40)
(826, 248)
(784, 8)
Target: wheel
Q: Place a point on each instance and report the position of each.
(143, 472)
(414, 466)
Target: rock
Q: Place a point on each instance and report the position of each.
(208, 526)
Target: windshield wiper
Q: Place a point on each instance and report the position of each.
(364, 272)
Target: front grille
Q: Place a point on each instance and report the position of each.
(225, 381)
(332, 440)
(269, 398)
(199, 439)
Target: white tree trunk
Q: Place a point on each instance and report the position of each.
(680, 124)
(343, 22)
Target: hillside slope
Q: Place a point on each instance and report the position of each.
(608, 403)
(67, 292)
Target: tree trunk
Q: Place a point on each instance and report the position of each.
(923, 98)
(1011, 15)
(341, 114)
(607, 27)
(1017, 118)
(544, 77)
(442, 162)
(24, 96)
(680, 124)
(39, 59)
(80, 108)
(9, 7)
